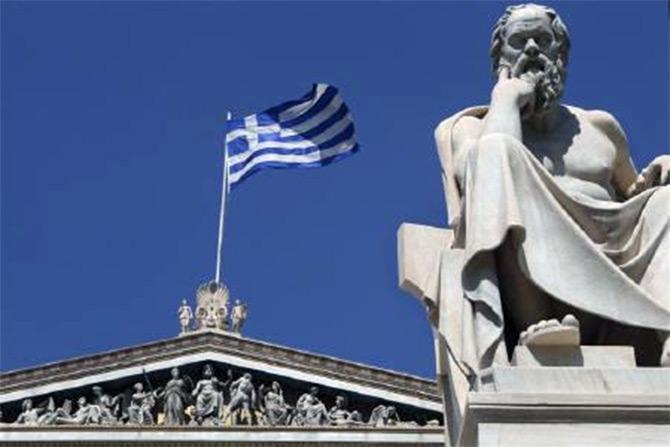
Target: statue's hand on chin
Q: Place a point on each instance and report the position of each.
(656, 174)
(520, 91)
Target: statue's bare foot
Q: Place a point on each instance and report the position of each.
(552, 333)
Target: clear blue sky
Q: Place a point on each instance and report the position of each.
(112, 124)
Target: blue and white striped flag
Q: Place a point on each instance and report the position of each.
(309, 132)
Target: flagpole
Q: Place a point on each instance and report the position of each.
(222, 213)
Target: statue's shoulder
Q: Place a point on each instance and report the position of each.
(465, 119)
(603, 121)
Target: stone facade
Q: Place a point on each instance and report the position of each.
(223, 388)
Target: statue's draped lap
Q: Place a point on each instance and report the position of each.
(602, 257)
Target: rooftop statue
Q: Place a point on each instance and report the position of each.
(557, 237)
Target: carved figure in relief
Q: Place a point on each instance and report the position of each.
(174, 398)
(83, 415)
(185, 314)
(275, 410)
(29, 415)
(141, 406)
(107, 406)
(53, 414)
(340, 416)
(242, 400)
(208, 394)
(309, 410)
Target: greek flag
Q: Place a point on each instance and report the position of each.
(309, 132)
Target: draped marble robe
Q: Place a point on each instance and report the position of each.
(607, 258)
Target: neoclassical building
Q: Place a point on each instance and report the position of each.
(212, 386)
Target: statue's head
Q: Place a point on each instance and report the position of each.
(340, 402)
(81, 402)
(27, 405)
(174, 372)
(247, 376)
(314, 390)
(207, 371)
(532, 38)
(97, 391)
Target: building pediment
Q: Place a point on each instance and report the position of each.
(370, 399)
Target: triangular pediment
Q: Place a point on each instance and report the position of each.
(365, 389)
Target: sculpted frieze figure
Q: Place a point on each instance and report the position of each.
(208, 394)
(82, 416)
(29, 414)
(174, 399)
(340, 416)
(242, 401)
(140, 410)
(107, 406)
(273, 407)
(549, 213)
(309, 410)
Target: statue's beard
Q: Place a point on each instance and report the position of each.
(549, 87)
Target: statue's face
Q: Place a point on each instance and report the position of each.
(529, 41)
(175, 373)
(529, 46)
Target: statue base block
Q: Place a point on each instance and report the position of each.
(568, 406)
(587, 356)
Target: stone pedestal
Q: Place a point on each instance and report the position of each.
(586, 405)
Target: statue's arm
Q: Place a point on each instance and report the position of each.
(465, 135)
(624, 173)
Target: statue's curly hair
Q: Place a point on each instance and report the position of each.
(557, 25)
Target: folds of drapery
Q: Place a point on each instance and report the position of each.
(604, 257)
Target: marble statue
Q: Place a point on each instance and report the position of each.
(309, 410)
(209, 397)
(82, 416)
(275, 410)
(387, 416)
(54, 415)
(341, 417)
(242, 400)
(29, 414)
(106, 405)
(140, 410)
(550, 216)
(239, 316)
(174, 398)
(185, 317)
